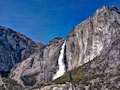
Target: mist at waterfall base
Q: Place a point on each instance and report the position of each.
(61, 63)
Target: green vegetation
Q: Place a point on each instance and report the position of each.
(73, 76)
(2, 87)
(97, 75)
(77, 78)
(10, 84)
(84, 75)
(62, 79)
(78, 75)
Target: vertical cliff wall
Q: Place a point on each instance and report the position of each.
(88, 39)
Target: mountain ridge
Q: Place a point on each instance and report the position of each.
(91, 57)
(14, 47)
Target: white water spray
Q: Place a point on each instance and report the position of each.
(61, 63)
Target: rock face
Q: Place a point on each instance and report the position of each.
(67, 86)
(1, 81)
(40, 67)
(102, 73)
(88, 39)
(96, 42)
(14, 47)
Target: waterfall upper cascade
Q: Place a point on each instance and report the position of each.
(61, 63)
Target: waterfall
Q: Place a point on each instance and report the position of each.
(61, 63)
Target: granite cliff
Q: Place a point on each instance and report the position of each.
(91, 57)
(14, 47)
(40, 67)
(93, 54)
(88, 39)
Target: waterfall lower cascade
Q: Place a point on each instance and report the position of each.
(61, 63)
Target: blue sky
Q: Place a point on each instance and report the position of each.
(43, 20)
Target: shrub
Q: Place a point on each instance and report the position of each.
(11, 84)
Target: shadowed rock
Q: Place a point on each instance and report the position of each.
(14, 47)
